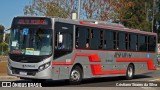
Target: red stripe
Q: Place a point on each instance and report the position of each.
(96, 68)
(147, 60)
(132, 59)
(92, 58)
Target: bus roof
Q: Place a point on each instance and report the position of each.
(95, 23)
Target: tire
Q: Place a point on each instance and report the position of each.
(130, 72)
(75, 76)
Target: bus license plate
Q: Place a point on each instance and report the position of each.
(23, 73)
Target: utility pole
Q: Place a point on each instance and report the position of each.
(79, 8)
(153, 11)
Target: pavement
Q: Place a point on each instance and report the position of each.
(3, 60)
(90, 84)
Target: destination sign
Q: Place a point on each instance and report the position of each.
(33, 21)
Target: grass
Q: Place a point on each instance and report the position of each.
(3, 68)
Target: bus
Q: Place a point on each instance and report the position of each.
(44, 48)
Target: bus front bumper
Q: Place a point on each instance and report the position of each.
(29, 73)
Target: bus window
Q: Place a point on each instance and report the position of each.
(82, 37)
(116, 40)
(63, 39)
(33, 40)
(108, 40)
(146, 43)
(122, 44)
(101, 39)
(87, 44)
(151, 43)
(133, 42)
(95, 40)
(141, 43)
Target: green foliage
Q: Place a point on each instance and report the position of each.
(137, 14)
(47, 8)
(3, 48)
(134, 13)
(1, 29)
(3, 45)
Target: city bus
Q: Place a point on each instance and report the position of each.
(44, 48)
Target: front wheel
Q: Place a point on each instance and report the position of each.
(130, 72)
(75, 75)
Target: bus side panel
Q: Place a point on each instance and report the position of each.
(140, 68)
(84, 61)
(55, 72)
(64, 72)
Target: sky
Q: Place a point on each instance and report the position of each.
(9, 9)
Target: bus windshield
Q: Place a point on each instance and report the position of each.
(31, 41)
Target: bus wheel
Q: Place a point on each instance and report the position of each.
(75, 75)
(130, 72)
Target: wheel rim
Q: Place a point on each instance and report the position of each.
(130, 71)
(75, 75)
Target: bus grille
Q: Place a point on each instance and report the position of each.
(30, 72)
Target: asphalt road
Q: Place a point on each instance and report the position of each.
(108, 83)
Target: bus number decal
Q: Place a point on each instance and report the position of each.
(122, 55)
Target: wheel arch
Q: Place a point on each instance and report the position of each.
(80, 65)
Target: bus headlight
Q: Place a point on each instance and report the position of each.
(44, 66)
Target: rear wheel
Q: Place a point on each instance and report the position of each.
(75, 75)
(130, 72)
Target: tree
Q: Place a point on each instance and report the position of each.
(1, 32)
(1, 29)
(137, 14)
(3, 45)
(97, 9)
(132, 13)
(91, 9)
(3, 48)
(57, 8)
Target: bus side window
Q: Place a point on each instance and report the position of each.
(151, 43)
(101, 39)
(121, 41)
(116, 40)
(87, 43)
(133, 42)
(108, 40)
(141, 42)
(81, 37)
(76, 38)
(95, 40)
